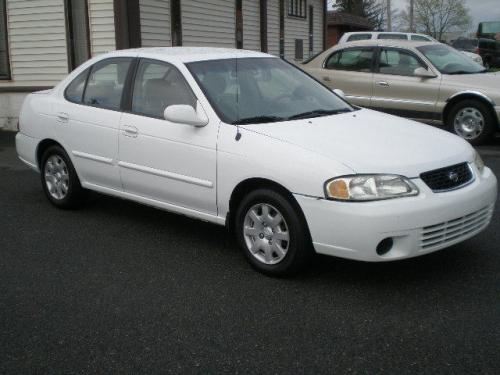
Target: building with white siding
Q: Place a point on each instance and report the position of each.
(42, 40)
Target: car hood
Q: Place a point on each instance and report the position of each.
(489, 83)
(367, 141)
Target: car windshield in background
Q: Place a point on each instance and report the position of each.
(449, 61)
(260, 90)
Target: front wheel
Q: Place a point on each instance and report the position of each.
(472, 120)
(272, 234)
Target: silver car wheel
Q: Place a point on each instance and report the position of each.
(266, 233)
(56, 177)
(469, 123)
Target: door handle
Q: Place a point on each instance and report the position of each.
(130, 131)
(327, 79)
(62, 117)
(383, 84)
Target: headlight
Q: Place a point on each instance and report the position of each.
(369, 187)
(479, 162)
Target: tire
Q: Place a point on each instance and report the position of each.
(59, 179)
(482, 126)
(262, 236)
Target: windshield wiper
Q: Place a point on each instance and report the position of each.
(318, 112)
(257, 120)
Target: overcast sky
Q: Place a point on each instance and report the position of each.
(480, 10)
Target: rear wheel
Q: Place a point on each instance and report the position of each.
(59, 179)
(271, 234)
(472, 120)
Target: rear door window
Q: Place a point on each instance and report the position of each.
(105, 83)
(358, 60)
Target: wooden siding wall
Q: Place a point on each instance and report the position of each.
(208, 23)
(298, 28)
(251, 24)
(102, 26)
(37, 32)
(37, 42)
(155, 23)
(273, 27)
(318, 32)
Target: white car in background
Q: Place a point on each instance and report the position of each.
(246, 140)
(385, 35)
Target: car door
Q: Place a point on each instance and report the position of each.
(398, 91)
(89, 118)
(351, 70)
(162, 160)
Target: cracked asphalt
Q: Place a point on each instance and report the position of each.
(117, 287)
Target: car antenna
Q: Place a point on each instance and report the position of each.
(238, 134)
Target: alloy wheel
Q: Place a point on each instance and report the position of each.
(56, 177)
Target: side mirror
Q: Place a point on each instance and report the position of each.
(185, 114)
(339, 92)
(423, 73)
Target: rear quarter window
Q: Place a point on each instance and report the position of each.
(74, 91)
(355, 37)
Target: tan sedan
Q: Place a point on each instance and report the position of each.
(425, 81)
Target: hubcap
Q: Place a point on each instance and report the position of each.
(469, 123)
(56, 177)
(266, 233)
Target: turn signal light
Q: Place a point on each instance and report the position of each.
(338, 189)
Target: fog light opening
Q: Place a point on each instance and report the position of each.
(385, 246)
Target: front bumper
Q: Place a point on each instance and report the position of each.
(417, 225)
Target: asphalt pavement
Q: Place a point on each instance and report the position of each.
(117, 287)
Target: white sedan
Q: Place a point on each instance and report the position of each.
(244, 139)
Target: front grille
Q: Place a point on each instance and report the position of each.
(448, 178)
(455, 230)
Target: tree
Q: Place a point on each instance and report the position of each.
(436, 17)
(373, 10)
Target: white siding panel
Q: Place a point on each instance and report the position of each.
(273, 27)
(102, 26)
(155, 23)
(298, 28)
(37, 41)
(208, 23)
(318, 34)
(251, 24)
(295, 28)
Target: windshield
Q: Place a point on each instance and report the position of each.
(257, 90)
(449, 61)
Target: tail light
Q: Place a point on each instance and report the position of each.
(476, 50)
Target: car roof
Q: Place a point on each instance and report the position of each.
(188, 54)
